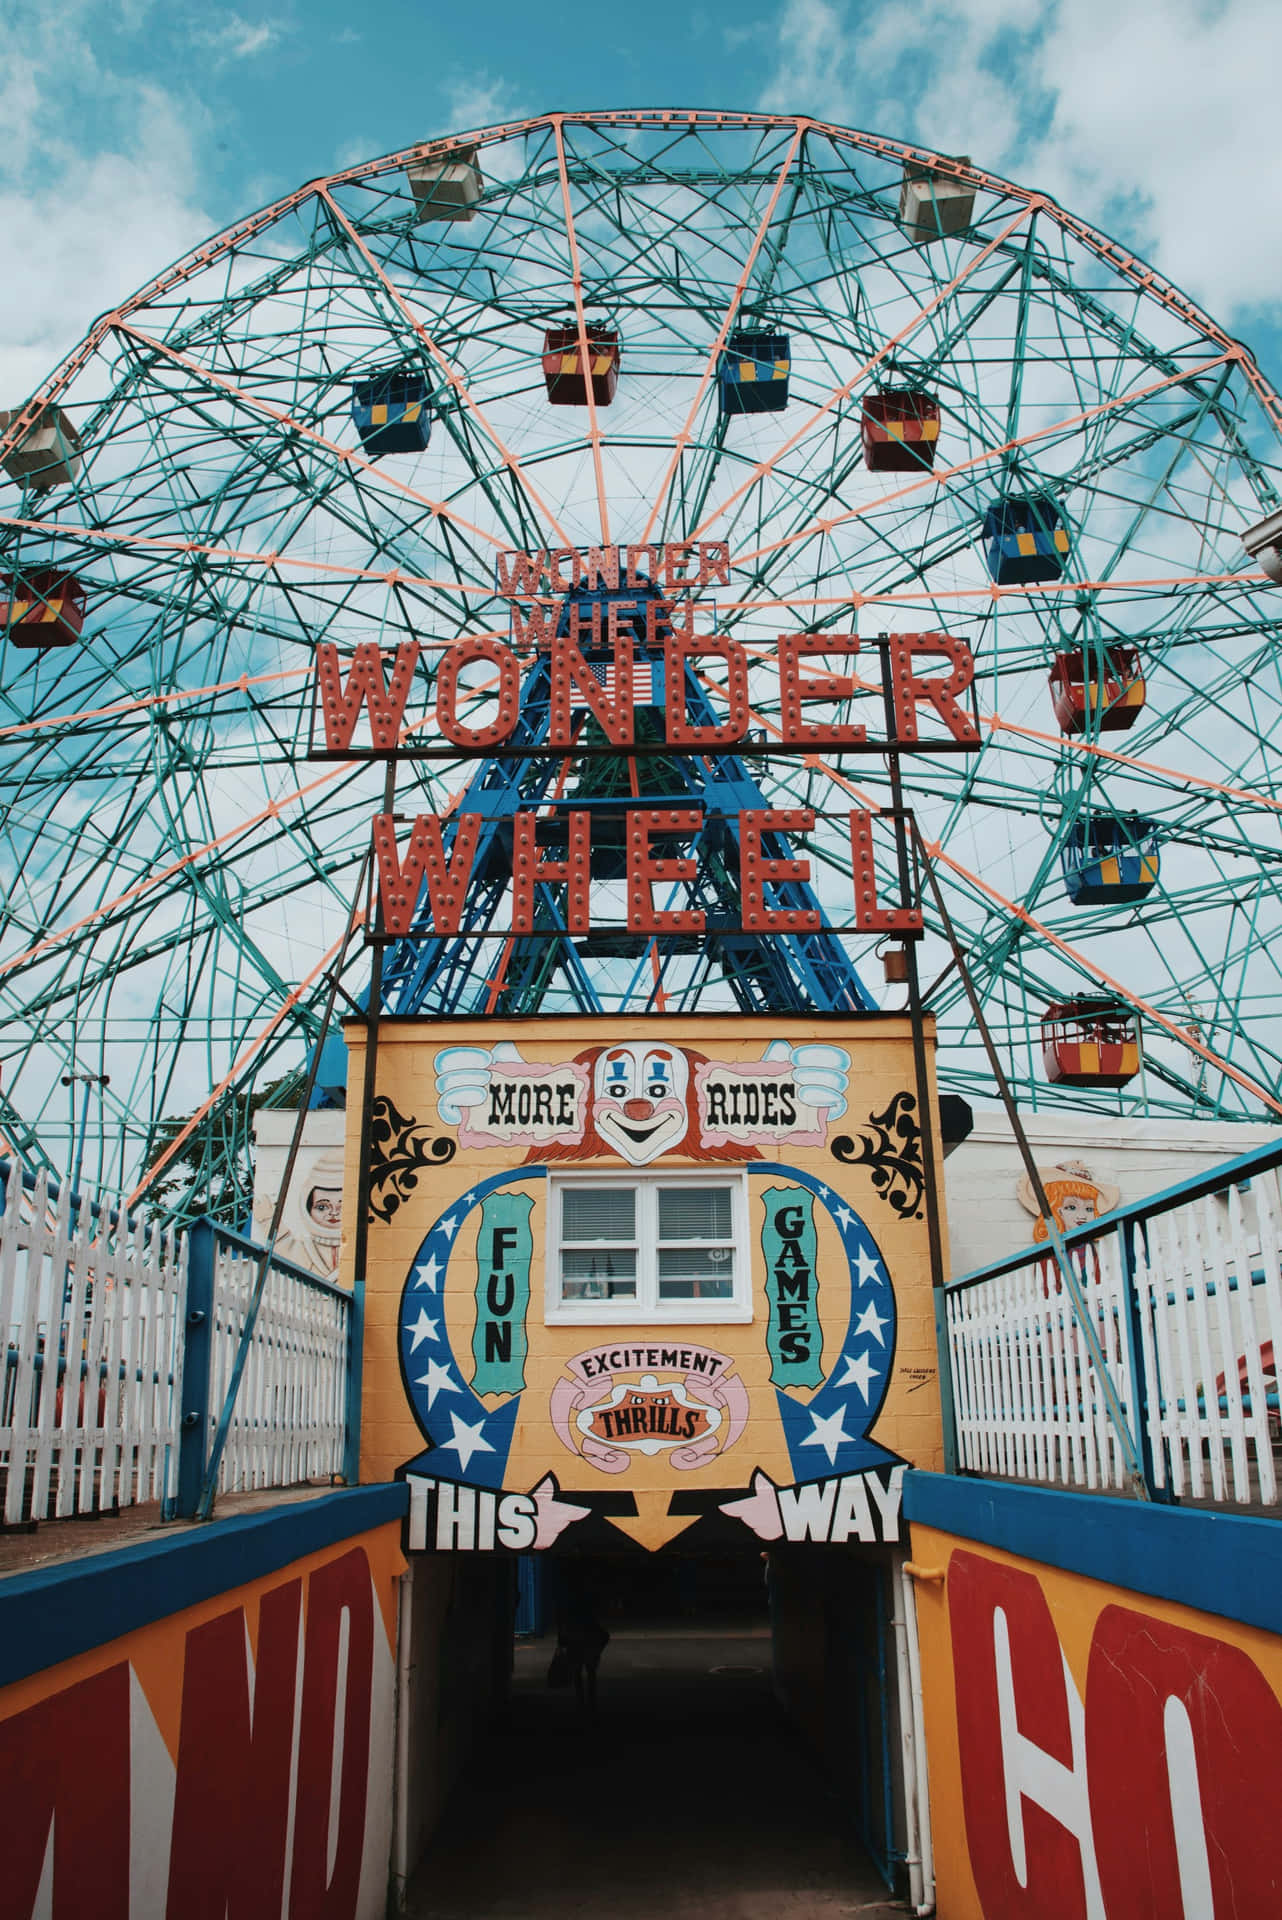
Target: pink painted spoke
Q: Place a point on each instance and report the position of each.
(576, 270)
(686, 434)
(453, 377)
(437, 508)
(937, 477)
(838, 394)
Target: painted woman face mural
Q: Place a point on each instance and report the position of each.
(1076, 1196)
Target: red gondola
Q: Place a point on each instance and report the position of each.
(1111, 689)
(563, 365)
(1090, 1043)
(47, 610)
(900, 432)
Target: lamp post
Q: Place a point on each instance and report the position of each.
(88, 1080)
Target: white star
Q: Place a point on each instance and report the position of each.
(436, 1380)
(467, 1440)
(828, 1434)
(427, 1273)
(844, 1216)
(423, 1329)
(859, 1373)
(867, 1265)
(448, 1226)
(870, 1321)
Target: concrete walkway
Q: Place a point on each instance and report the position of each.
(687, 1798)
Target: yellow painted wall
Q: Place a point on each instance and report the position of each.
(419, 1063)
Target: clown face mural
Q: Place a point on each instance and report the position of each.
(644, 1286)
(639, 1100)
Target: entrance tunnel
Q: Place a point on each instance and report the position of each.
(745, 1754)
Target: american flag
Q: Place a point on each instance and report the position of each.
(644, 691)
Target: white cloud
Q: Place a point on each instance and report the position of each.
(81, 227)
(1174, 108)
(1155, 119)
(235, 38)
(480, 100)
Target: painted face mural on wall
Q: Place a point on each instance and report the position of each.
(648, 1309)
(639, 1100)
(1076, 1196)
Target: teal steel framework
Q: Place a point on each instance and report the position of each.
(178, 872)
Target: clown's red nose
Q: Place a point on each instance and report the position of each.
(638, 1109)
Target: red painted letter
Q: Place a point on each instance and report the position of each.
(1015, 1743)
(1184, 1748)
(231, 1801)
(339, 1591)
(66, 1761)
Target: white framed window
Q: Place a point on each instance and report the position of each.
(650, 1247)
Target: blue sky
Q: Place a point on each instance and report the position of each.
(129, 130)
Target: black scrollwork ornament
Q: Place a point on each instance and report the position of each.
(893, 1151)
(399, 1150)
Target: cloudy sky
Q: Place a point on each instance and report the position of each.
(129, 130)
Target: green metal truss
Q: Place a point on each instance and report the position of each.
(175, 866)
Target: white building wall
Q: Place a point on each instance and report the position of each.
(1139, 1157)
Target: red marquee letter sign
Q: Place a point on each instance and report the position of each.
(1226, 1781)
(794, 730)
(529, 871)
(869, 917)
(521, 573)
(453, 660)
(908, 689)
(677, 649)
(340, 702)
(1004, 1708)
(398, 885)
(755, 870)
(341, 1589)
(614, 714)
(644, 869)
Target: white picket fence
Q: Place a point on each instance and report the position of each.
(90, 1313)
(289, 1420)
(1184, 1294)
(99, 1407)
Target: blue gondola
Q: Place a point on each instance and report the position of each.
(754, 373)
(1025, 540)
(390, 411)
(1111, 858)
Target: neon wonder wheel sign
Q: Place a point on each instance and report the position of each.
(630, 662)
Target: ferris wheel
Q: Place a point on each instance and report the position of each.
(905, 396)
